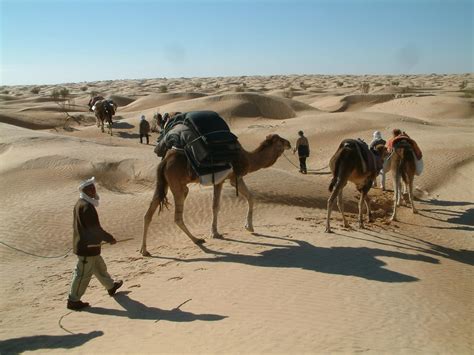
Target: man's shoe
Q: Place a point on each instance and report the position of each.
(76, 305)
(116, 286)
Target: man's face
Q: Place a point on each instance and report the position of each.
(90, 191)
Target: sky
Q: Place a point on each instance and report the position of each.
(61, 41)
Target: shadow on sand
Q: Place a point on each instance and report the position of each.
(37, 342)
(136, 310)
(349, 261)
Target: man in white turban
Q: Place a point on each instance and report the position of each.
(88, 235)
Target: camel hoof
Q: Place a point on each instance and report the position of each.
(199, 241)
(249, 228)
(328, 230)
(145, 253)
(216, 236)
(415, 211)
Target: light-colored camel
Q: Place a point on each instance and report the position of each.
(347, 165)
(104, 110)
(403, 166)
(175, 172)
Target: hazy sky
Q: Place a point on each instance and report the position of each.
(72, 41)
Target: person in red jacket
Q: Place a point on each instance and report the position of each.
(87, 237)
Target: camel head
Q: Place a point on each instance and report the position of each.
(278, 143)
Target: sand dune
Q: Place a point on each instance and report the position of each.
(401, 287)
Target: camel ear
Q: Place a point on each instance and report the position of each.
(269, 137)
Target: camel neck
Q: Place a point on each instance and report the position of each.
(262, 158)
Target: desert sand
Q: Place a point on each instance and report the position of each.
(400, 287)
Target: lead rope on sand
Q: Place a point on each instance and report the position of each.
(61, 326)
(38, 256)
(296, 166)
(53, 257)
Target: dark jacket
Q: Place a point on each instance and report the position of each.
(88, 234)
(144, 127)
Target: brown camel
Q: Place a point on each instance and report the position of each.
(403, 166)
(347, 165)
(175, 172)
(104, 110)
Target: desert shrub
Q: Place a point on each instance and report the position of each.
(35, 90)
(463, 85)
(239, 89)
(6, 92)
(339, 83)
(364, 87)
(395, 83)
(217, 86)
(468, 93)
(84, 88)
(163, 88)
(198, 84)
(378, 84)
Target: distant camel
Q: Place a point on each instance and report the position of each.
(104, 110)
(403, 166)
(174, 171)
(346, 165)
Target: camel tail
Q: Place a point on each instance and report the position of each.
(161, 186)
(335, 164)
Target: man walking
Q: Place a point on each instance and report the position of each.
(88, 235)
(144, 129)
(302, 147)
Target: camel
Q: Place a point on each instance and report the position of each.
(347, 165)
(104, 110)
(403, 166)
(175, 172)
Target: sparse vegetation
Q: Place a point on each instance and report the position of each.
(364, 87)
(35, 90)
(5, 92)
(198, 84)
(163, 88)
(303, 85)
(395, 83)
(469, 93)
(84, 88)
(217, 86)
(62, 97)
(378, 84)
(239, 89)
(340, 83)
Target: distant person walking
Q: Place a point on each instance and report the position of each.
(87, 238)
(376, 141)
(302, 147)
(144, 130)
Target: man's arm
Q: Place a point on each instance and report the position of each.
(91, 222)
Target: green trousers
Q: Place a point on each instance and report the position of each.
(85, 268)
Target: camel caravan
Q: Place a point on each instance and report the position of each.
(198, 147)
(104, 110)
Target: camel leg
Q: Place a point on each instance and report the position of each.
(244, 191)
(369, 211)
(147, 220)
(215, 210)
(332, 198)
(102, 126)
(179, 197)
(383, 180)
(340, 204)
(410, 195)
(396, 193)
(361, 201)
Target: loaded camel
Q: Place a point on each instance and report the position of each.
(403, 166)
(175, 173)
(348, 164)
(104, 110)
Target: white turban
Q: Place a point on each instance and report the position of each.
(377, 135)
(87, 182)
(143, 117)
